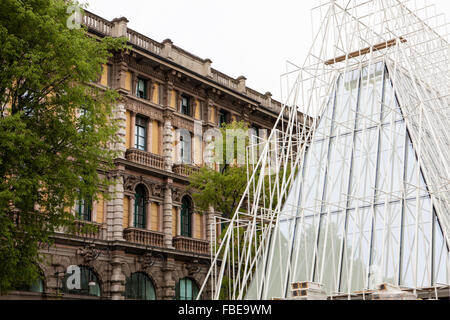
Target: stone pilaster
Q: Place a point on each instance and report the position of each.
(120, 26)
(120, 116)
(167, 215)
(168, 281)
(115, 209)
(117, 279)
(210, 225)
(168, 141)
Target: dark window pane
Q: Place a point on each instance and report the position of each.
(139, 287)
(139, 208)
(186, 218)
(185, 105)
(141, 88)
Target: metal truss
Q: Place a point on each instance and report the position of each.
(405, 44)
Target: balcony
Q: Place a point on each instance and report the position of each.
(191, 245)
(88, 229)
(185, 169)
(145, 158)
(144, 237)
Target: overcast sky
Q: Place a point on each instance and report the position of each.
(253, 38)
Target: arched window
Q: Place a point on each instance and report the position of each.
(36, 286)
(186, 289)
(186, 217)
(89, 283)
(139, 287)
(139, 208)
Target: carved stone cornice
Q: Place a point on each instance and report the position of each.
(180, 122)
(145, 68)
(144, 109)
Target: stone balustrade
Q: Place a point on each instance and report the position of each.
(145, 158)
(191, 245)
(89, 229)
(144, 237)
(185, 169)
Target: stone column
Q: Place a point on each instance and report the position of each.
(167, 215)
(120, 116)
(210, 227)
(168, 281)
(117, 278)
(115, 208)
(168, 141)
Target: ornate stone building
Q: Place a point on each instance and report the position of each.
(151, 243)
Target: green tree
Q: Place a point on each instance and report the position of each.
(55, 128)
(221, 189)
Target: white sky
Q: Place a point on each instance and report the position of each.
(253, 38)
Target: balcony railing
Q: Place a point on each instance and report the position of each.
(185, 169)
(191, 245)
(144, 237)
(146, 158)
(88, 229)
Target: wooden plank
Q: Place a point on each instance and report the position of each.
(354, 54)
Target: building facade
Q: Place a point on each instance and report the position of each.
(151, 242)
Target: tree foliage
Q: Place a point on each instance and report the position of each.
(55, 128)
(221, 189)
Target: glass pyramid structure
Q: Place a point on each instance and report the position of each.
(359, 212)
(354, 190)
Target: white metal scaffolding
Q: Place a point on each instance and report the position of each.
(357, 193)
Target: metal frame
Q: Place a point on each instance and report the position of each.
(411, 41)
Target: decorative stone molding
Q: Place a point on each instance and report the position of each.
(144, 109)
(148, 259)
(192, 267)
(89, 253)
(119, 28)
(177, 194)
(155, 189)
(187, 124)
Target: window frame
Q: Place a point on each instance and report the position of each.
(140, 126)
(186, 283)
(145, 89)
(139, 203)
(84, 209)
(137, 281)
(186, 218)
(185, 109)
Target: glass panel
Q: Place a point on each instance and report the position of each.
(441, 256)
(363, 212)
(416, 243)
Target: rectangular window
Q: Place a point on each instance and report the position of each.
(84, 210)
(185, 150)
(185, 105)
(140, 134)
(223, 116)
(141, 88)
